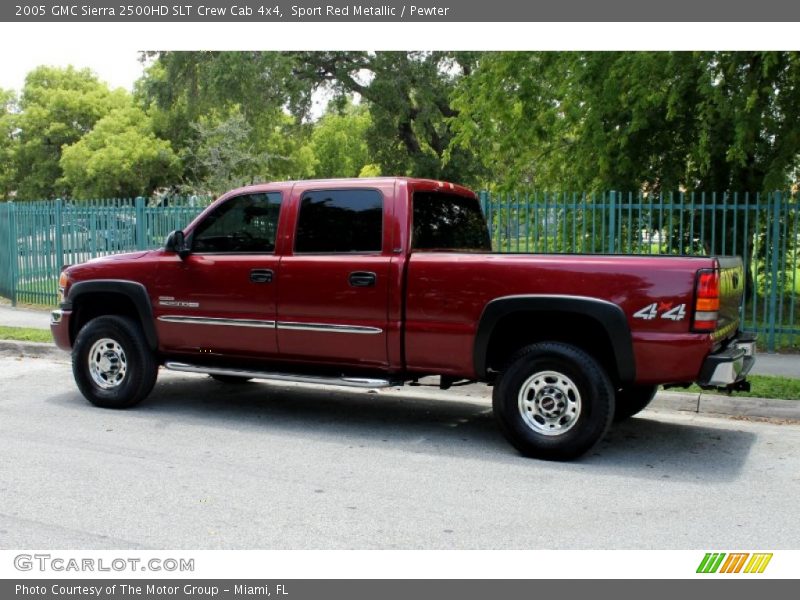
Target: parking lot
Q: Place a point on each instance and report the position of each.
(204, 465)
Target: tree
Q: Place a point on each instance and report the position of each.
(633, 120)
(749, 121)
(120, 157)
(226, 116)
(407, 94)
(58, 107)
(339, 141)
(229, 152)
(8, 143)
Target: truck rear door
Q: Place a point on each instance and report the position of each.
(333, 293)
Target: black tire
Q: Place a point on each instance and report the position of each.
(140, 367)
(633, 400)
(229, 378)
(580, 401)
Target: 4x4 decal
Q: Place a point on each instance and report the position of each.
(650, 312)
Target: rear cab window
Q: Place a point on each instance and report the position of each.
(448, 222)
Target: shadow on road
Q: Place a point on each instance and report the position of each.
(645, 446)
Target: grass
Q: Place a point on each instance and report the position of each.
(767, 386)
(25, 334)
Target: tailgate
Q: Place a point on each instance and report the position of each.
(731, 284)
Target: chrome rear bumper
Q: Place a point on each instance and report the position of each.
(728, 368)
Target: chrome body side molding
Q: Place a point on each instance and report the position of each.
(217, 321)
(286, 325)
(329, 327)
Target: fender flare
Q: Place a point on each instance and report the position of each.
(132, 290)
(610, 317)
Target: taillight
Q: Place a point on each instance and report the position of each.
(706, 304)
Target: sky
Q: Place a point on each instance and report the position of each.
(118, 67)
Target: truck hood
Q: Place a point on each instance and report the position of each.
(123, 256)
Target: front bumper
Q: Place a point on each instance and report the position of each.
(59, 327)
(728, 368)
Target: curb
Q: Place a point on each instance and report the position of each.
(685, 402)
(732, 406)
(30, 349)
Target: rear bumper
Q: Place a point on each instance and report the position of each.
(59, 326)
(728, 368)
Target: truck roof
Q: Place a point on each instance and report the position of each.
(414, 182)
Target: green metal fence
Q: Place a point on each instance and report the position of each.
(36, 238)
(761, 228)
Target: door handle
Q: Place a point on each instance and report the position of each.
(261, 275)
(362, 279)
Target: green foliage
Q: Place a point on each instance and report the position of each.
(633, 120)
(339, 142)
(58, 107)
(7, 143)
(120, 157)
(406, 93)
(571, 121)
(370, 170)
(230, 152)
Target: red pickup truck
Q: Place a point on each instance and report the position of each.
(379, 282)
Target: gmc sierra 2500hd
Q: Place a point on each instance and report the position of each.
(378, 282)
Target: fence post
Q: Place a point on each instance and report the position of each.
(13, 251)
(612, 222)
(59, 241)
(773, 284)
(141, 243)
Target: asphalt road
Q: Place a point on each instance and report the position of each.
(204, 465)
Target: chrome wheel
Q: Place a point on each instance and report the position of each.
(107, 363)
(549, 403)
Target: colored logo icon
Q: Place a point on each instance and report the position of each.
(735, 562)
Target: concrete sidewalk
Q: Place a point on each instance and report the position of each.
(24, 317)
(786, 365)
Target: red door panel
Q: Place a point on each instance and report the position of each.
(214, 304)
(334, 309)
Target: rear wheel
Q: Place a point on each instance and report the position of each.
(554, 401)
(229, 378)
(633, 400)
(112, 364)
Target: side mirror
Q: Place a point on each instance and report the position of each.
(176, 242)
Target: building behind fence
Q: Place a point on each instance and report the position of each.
(37, 238)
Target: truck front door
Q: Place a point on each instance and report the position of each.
(221, 298)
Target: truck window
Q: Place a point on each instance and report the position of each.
(244, 224)
(448, 222)
(332, 221)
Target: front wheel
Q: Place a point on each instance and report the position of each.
(554, 401)
(112, 364)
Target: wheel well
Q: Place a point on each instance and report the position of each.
(99, 304)
(519, 329)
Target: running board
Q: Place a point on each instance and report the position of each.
(358, 382)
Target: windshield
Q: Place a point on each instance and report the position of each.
(448, 222)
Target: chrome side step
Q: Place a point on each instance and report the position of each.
(357, 382)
